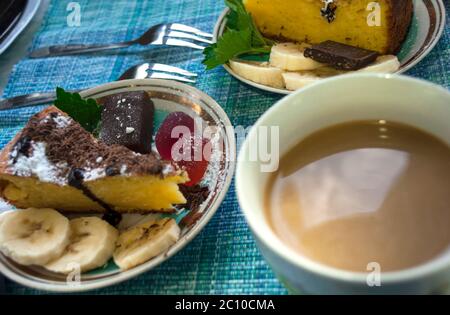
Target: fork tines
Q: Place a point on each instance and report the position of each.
(176, 32)
(186, 76)
(188, 29)
(159, 71)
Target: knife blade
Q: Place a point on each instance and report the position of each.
(28, 100)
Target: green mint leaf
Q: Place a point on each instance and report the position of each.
(240, 37)
(230, 45)
(86, 112)
(238, 18)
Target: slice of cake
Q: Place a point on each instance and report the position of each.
(54, 163)
(351, 22)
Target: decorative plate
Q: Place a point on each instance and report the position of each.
(168, 96)
(427, 26)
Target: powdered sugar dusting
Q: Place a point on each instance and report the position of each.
(36, 164)
(168, 169)
(213, 171)
(62, 121)
(93, 174)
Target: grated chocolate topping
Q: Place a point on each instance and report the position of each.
(52, 144)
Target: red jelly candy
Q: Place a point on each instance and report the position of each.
(196, 168)
(177, 141)
(164, 140)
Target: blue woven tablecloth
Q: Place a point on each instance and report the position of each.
(223, 259)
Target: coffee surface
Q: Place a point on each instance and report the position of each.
(363, 192)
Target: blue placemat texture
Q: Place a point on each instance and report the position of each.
(223, 259)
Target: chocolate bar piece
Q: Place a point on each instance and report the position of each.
(341, 56)
(127, 119)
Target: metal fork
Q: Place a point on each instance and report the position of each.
(172, 34)
(140, 71)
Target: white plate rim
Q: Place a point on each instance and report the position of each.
(26, 17)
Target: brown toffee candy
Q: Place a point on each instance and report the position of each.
(127, 119)
(341, 56)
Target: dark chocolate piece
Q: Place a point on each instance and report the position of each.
(127, 119)
(341, 56)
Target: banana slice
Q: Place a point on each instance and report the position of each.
(290, 57)
(298, 80)
(3, 215)
(145, 241)
(383, 64)
(34, 236)
(92, 244)
(259, 72)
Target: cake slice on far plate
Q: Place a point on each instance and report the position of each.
(375, 25)
(55, 163)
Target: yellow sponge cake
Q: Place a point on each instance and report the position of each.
(375, 25)
(54, 163)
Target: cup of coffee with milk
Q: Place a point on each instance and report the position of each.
(360, 200)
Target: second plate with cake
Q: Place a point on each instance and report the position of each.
(287, 55)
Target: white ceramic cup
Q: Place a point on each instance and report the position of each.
(329, 102)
